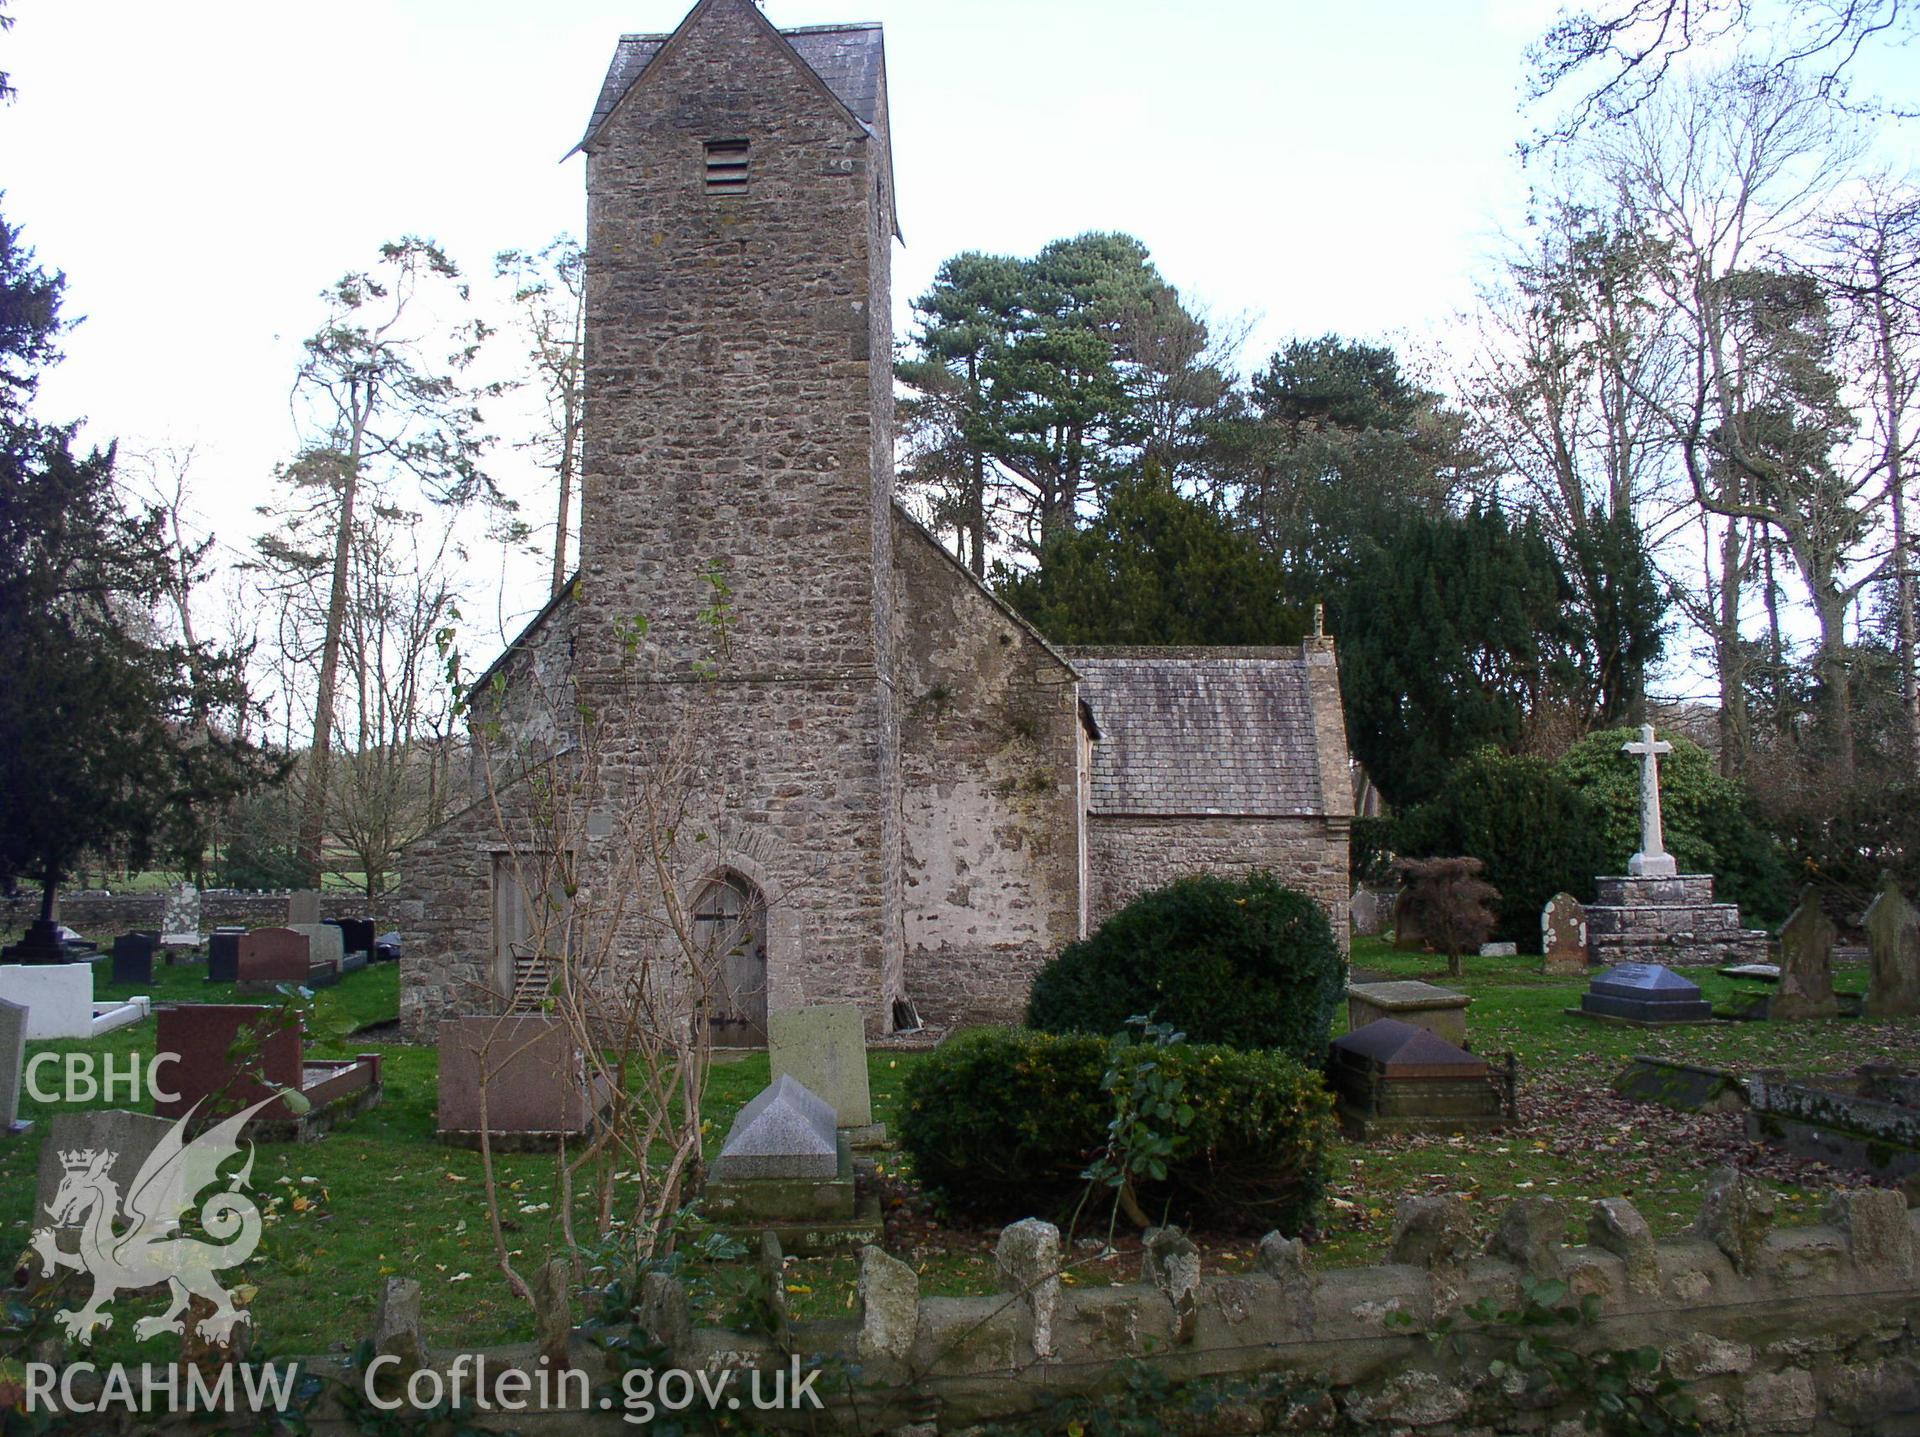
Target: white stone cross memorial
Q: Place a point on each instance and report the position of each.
(1653, 860)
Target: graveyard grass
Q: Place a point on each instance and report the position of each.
(380, 1196)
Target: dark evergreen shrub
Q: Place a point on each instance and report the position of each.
(1534, 831)
(1001, 1123)
(1240, 961)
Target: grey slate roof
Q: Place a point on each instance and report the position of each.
(1183, 733)
(848, 57)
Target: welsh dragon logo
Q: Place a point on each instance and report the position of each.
(148, 1248)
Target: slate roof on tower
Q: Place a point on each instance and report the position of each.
(849, 58)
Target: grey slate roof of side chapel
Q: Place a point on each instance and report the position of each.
(1191, 735)
(849, 58)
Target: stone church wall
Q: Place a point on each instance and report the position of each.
(1127, 855)
(990, 737)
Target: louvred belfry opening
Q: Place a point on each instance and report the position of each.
(726, 167)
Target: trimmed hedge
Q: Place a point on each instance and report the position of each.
(1241, 961)
(1001, 1123)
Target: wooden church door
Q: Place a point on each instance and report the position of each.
(730, 925)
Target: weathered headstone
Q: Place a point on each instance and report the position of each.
(132, 958)
(180, 921)
(13, 1052)
(785, 1132)
(1806, 964)
(273, 955)
(1653, 860)
(130, 1137)
(1563, 935)
(1371, 911)
(303, 907)
(397, 1329)
(824, 1049)
(1893, 944)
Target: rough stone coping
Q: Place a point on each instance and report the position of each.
(785, 1132)
(1407, 995)
(1400, 1050)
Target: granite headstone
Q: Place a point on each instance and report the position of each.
(785, 1132)
(132, 958)
(824, 1049)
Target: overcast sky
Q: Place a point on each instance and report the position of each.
(201, 170)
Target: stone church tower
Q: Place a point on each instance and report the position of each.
(907, 792)
(739, 432)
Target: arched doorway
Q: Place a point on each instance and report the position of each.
(730, 930)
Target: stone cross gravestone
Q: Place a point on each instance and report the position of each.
(1563, 934)
(132, 958)
(303, 907)
(1653, 860)
(1893, 944)
(1806, 964)
(13, 1052)
(785, 1132)
(130, 1137)
(825, 1049)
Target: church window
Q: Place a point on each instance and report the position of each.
(726, 167)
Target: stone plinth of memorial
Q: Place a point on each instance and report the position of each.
(1440, 1011)
(1391, 1077)
(1648, 995)
(212, 1065)
(787, 1168)
(1655, 914)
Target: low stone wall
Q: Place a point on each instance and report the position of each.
(100, 916)
(1803, 1330)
